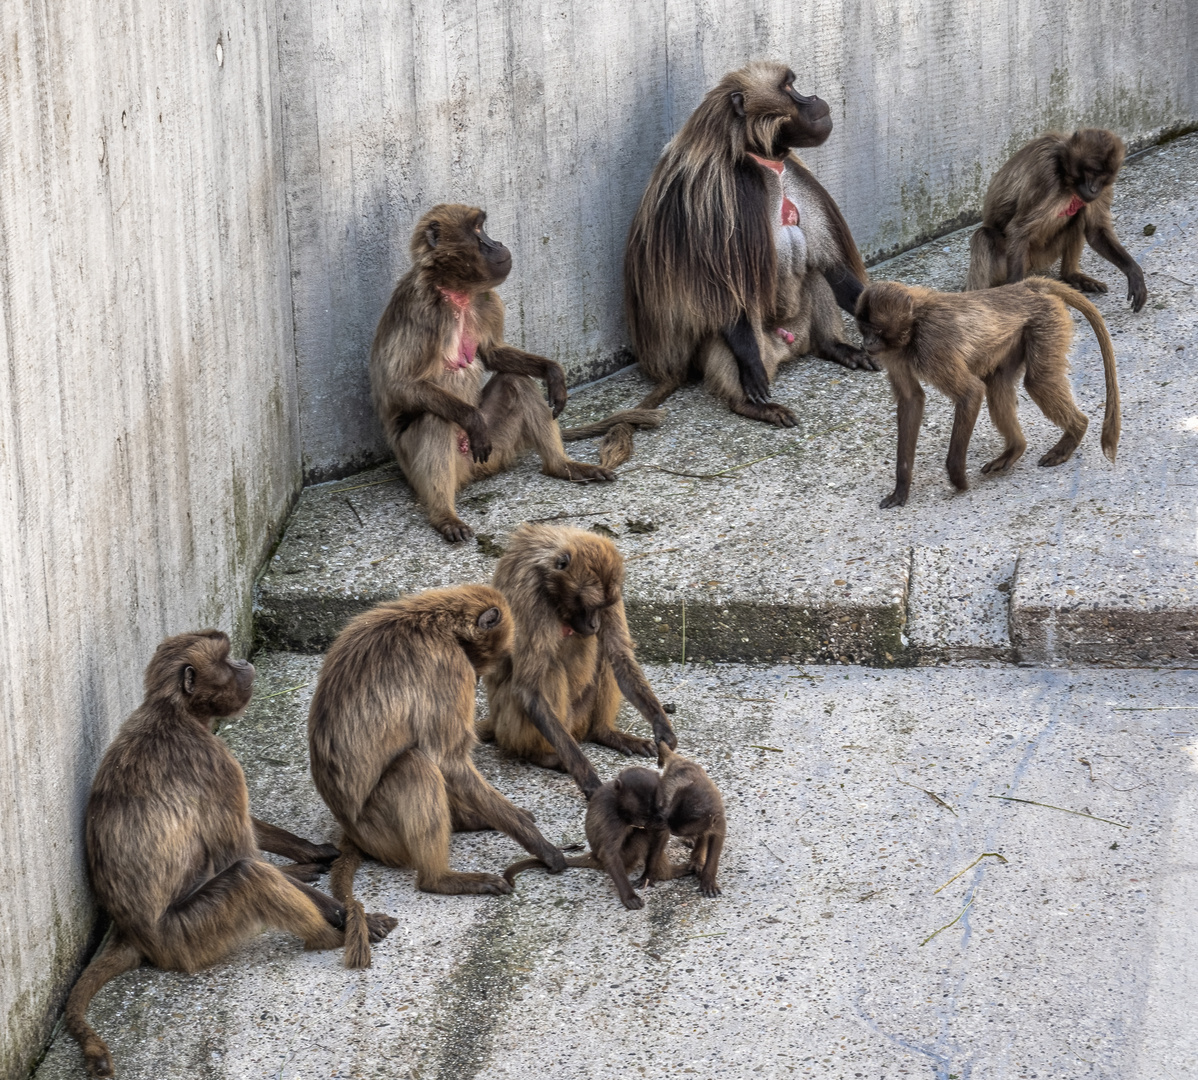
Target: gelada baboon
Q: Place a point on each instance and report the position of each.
(737, 257)
(572, 656)
(624, 817)
(693, 809)
(391, 730)
(973, 345)
(444, 427)
(1050, 199)
(173, 853)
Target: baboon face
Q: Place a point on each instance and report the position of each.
(885, 315)
(581, 584)
(638, 798)
(451, 239)
(490, 635)
(1094, 158)
(769, 98)
(198, 669)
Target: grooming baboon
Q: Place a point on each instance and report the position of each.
(443, 425)
(572, 656)
(171, 848)
(694, 810)
(1050, 199)
(391, 730)
(737, 257)
(623, 818)
(973, 345)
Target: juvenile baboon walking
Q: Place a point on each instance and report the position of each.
(173, 853)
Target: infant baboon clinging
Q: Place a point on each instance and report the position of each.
(694, 810)
(973, 345)
(572, 656)
(444, 427)
(1050, 199)
(172, 850)
(624, 818)
(391, 730)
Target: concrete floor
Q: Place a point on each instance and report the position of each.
(1074, 958)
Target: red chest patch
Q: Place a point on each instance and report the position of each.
(1075, 204)
(466, 344)
(790, 212)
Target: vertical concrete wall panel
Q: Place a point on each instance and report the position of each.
(148, 420)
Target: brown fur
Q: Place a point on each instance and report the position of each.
(623, 820)
(431, 408)
(709, 272)
(1025, 229)
(391, 732)
(694, 810)
(973, 345)
(172, 850)
(572, 656)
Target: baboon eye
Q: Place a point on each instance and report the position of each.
(490, 619)
(189, 679)
(562, 561)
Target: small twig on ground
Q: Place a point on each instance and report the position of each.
(1099, 780)
(280, 693)
(373, 483)
(684, 629)
(384, 558)
(772, 749)
(721, 933)
(646, 554)
(772, 852)
(355, 510)
(1153, 708)
(1049, 806)
(983, 855)
(707, 476)
(930, 794)
(947, 925)
(738, 697)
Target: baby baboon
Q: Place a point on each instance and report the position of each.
(973, 345)
(1050, 199)
(171, 847)
(572, 656)
(444, 427)
(737, 257)
(391, 730)
(694, 810)
(623, 819)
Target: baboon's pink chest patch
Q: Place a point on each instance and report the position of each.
(790, 212)
(1075, 204)
(463, 355)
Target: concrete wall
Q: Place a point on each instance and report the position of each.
(148, 424)
(550, 115)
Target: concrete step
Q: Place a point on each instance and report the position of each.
(745, 542)
(1074, 958)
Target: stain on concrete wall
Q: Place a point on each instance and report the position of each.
(551, 115)
(149, 441)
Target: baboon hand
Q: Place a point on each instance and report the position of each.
(378, 926)
(456, 531)
(755, 384)
(480, 438)
(633, 902)
(554, 860)
(1137, 292)
(325, 853)
(709, 889)
(555, 386)
(896, 498)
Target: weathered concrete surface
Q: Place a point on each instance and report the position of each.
(790, 556)
(551, 116)
(149, 437)
(1073, 959)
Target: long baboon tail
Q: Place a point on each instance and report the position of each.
(616, 447)
(341, 882)
(586, 862)
(1112, 421)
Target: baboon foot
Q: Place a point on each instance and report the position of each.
(898, 497)
(579, 472)
(770, 413)
(958, 479)
(455, 530)
(1060, 453)
(628, 745)
(847, 356)
(709, 889)
(378, 926)
(454, 884)
(1004, 460)
(307, 872)
(1085, 283)
(97, 1057)
(632, 902)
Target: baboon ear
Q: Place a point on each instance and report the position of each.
(490, 619)
(189, 679)
(618, 784)
(433, 233)
(738, 103)
(562, 561)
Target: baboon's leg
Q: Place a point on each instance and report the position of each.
(406, 822)
(1072, 241)
(708, 851)
(468, 789)
(967, 391)
(613, 863)
(909, 399)
(1000, 400)
(432, 461)
(721, 377)
(116, 956)
(1050, 390)
(827, 328)
(987, 259)
(602, 728)
(657, 866)
(281, 842)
